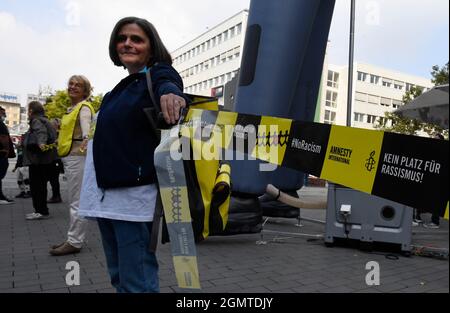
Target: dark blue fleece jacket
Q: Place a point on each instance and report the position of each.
(124, 143)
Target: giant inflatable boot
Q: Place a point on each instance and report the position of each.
(280, 76)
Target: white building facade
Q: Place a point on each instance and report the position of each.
(376, 90)
(211, 60)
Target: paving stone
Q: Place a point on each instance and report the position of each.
(231, 264)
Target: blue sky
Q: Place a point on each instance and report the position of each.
(46, 41)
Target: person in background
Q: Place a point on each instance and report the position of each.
(6, 152)
(38, 154)
(417, 219)
(119, 187)
(23, 179)
(435, 218)
(57, 169)
(72, 142)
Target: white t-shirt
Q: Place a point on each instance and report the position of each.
(135, 204)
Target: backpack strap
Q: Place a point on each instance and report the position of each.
(150, 89)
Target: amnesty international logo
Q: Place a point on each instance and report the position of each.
(370, 162)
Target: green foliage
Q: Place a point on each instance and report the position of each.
(96, 101)
(413, 93)
(399, 124)
(409, 126)
(440, 75)
(57, 104)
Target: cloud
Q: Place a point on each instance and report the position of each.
(396, 34)
(7, 22)
(46, 45)
(77, 41)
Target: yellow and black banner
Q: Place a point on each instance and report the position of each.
(407, 169)
(174, 196)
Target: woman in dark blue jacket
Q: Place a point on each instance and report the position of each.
(119, 187)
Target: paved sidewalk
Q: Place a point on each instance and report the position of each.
(285, 263)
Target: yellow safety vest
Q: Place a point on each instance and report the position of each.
(67, 129)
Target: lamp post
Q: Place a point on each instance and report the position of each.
(350, 65)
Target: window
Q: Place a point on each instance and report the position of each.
(223, 58)
(361, 96)
(398, 85)
(333, 79)
(374, 79)
(396, 103)
(382, 121)
(229, 55)
(232, 32)
(237, 52)
(362, 76)
(239, 28)
(409, 86)
(331, 100)
(359, 117)
(374, 99)
(371, 119)
(225, 35)
(385, 101)
(387, 82)
(330, 117)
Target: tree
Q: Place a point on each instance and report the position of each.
(403, 125)
(440, 75)
(57, 104)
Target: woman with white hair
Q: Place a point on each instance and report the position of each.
(72, 143)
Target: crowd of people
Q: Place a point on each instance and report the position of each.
(107, 157)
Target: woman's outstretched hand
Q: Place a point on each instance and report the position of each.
(170, 107)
